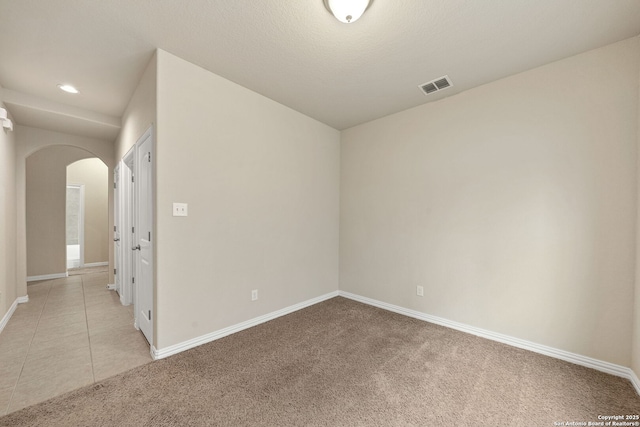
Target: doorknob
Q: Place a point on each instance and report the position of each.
(116, 240)
(136, 248)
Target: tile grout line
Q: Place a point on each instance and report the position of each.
(86, 318)
(46, 300)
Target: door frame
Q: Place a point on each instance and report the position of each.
(117, 242)
(127, 164)
(129, 226)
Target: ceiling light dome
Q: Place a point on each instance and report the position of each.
(347, 11)
(68, 88)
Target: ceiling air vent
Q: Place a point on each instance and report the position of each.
(436, 85)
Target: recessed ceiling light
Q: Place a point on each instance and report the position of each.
(68, 88)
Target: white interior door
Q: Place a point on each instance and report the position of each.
(117, 241)
(143, 234)
(126, 230)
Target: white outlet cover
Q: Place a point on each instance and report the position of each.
(180, 209)
(420, 291)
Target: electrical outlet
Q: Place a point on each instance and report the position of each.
(180, 209)
(254, 295)
(420, 291)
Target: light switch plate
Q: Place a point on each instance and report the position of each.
(180, 209)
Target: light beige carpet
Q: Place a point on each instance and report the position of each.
(341, 363)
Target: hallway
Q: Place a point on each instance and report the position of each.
(71, 333)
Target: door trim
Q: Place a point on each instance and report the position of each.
(129, 210)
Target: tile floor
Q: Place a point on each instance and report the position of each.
(72, 332)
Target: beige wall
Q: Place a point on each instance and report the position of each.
(8, 290)
(46, 206)
(140, 113)
(513, 204)
(635, 362)
(93, 174)
(28, 141)
(262, 184)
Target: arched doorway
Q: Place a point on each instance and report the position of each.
(46, 207)
(77, 330)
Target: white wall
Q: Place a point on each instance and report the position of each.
(8, 290)
(262, 184)
(513, 204)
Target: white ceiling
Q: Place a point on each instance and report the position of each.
(292, 51)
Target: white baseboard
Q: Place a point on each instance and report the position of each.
(186, 345)
(95, 264)
(12, 309)
(111, 286)
(48, 277)
(8, 314)
(599, 365)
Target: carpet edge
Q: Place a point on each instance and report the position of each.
(162, 353)
(577, 359)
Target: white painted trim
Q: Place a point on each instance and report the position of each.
(8, 314)
(22, 300)
(598, 365)
(186, 345)
(48, 277)
(81, 222)
(96, 264)
(111, 286)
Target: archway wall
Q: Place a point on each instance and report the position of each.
(29, 141)
(8, 292)
(46, 179)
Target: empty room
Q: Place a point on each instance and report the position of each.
(320, 212)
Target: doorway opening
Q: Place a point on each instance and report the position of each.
(55, 243)
(87, 214)
(75, 226)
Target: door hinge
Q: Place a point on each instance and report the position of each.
(133, 280)
(149, 236)
(132, 179)
(114, 228)
(149, 156)
(149, 314)
(114, 271)
(133, 229)
(114, 185)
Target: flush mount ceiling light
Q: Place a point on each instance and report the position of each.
(68, 88)
(347, 11)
